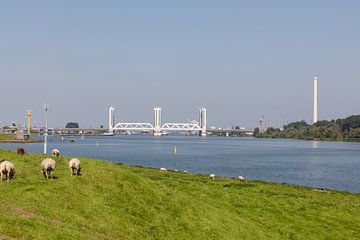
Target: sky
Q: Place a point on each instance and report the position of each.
(239, 59)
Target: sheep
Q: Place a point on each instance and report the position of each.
(55, 152)
(20, 151)
(212, 176)
(74, 165)
(241, 178)
(48, 166)
(8, 169)
(163, 169)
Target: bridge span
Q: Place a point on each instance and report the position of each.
(157, 127)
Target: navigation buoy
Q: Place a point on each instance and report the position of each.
(97, 143)
(174, 150)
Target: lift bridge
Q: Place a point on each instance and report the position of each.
(159, 128)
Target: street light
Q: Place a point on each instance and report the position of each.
(46, 108)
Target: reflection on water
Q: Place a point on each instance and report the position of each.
(334, 165)
(315, 144)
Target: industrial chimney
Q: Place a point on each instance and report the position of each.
(315, 116)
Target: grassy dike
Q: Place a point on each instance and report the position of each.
(110, 201)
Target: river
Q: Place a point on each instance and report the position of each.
(332, 165)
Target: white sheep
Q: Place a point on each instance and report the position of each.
(163, 169)
(8, 169)
(55, 152)
(241, 178)
(74, 165)
(212, 176)
(48, 166)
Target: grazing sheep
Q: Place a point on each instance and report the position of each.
(241, 178)
(212, 176)
(163, 169)
(48, 166)
(55, 152)
(8, 169)
(20, 151)
(74, 165)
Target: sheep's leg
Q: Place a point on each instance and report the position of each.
(46, 174)
(8, 176)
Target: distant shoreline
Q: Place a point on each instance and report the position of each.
(16, 141)
(311, 139)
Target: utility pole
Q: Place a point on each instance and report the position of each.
(46, 108)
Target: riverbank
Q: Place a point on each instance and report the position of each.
(111, 201)
(347, 130)
(9, 138)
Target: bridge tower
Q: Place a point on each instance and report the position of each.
(111, 118)
(203, 122)
(157, 121)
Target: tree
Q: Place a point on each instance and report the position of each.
(351, 122)
(72, 125)
(256, 131)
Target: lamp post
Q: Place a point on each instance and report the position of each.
(46, 108)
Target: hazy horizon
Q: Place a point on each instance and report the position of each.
(240, 60)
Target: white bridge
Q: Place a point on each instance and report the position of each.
(158, 129)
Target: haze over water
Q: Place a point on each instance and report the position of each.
(333, 165)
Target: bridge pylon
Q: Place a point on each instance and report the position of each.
(203, 121)
(111, 119)
(157, 121)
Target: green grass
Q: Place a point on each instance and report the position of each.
(8, 137)
(110, 201)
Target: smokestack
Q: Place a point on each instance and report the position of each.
(315, 116)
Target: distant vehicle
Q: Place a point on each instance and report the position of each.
(72, 139)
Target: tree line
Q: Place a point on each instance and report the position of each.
(347, 129)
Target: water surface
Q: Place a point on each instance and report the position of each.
(333, 165)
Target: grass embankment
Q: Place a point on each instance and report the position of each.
(110, 201)
(10, 138)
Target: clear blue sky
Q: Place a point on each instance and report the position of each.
(240, 59)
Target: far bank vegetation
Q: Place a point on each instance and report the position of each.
(347, 129)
